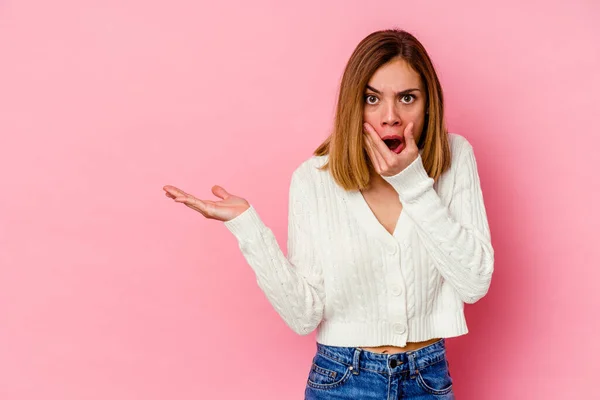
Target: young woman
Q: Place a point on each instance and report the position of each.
(387, 238)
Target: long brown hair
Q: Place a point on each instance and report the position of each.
(348, 160)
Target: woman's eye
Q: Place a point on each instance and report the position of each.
(372, 99)
(410, 96)
(369, 96)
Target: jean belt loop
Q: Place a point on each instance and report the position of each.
(412, 363)
(356, 361)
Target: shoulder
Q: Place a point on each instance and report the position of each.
(310, 166)
(458, 144)
(462, 151)
(459, 148)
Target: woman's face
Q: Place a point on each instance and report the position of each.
(394, 97)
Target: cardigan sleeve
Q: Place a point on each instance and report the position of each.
(293, 284)
(457, 237)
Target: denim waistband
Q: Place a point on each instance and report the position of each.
(405, 362)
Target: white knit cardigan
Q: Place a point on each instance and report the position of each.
(358, 285)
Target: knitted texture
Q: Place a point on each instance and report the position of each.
(358, 285)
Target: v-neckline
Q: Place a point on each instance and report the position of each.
(367, 217)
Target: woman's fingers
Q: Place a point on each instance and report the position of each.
(220, 192)
(196, 204)
(191, 200)
(209, 209)
(196, 209)
(410, 138)
(223, 210)
(378, 144)
(174, 191)
(373, 155)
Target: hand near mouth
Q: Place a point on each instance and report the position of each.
(385, 161)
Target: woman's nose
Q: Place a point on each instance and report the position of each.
(391, 116)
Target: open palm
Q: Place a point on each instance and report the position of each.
(223, 210)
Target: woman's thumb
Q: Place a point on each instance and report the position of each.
(220, 192)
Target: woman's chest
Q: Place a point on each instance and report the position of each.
(368, 237)
(384, 203)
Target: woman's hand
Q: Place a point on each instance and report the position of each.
(385, 161)
(230, 207)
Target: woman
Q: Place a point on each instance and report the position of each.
(387, 237)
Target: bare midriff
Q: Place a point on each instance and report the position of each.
(410, 346)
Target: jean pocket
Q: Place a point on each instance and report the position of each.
(327, 373)
(435, 378)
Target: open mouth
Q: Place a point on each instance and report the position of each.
(394, 144)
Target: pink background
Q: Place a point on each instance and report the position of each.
(109, 290)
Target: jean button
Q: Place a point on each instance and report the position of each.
(393, 363)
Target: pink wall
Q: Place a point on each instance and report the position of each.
(109, 290)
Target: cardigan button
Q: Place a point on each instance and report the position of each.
(399, 328)
(396, 290)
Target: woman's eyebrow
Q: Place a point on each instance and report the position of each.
(399, 93)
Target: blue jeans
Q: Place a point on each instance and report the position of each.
(354, 373)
